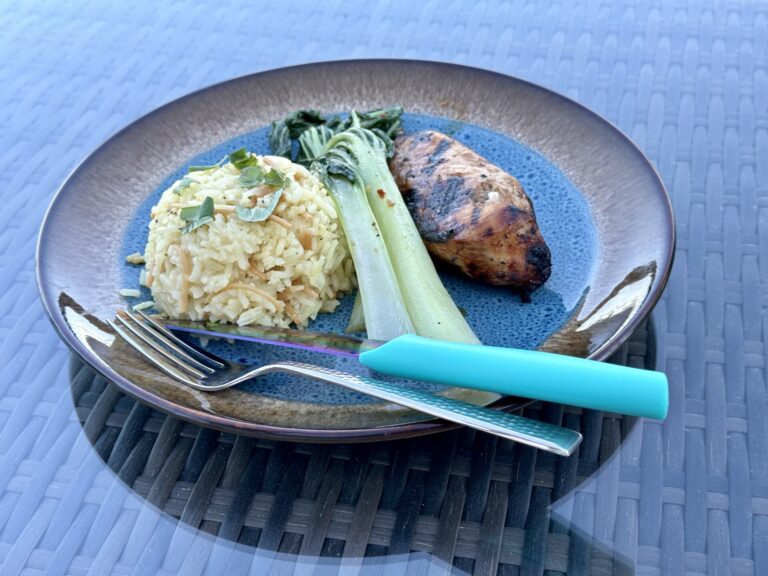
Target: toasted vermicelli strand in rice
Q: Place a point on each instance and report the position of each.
(255, 243)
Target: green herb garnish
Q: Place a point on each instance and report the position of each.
(259, 214)
(241, 158)
(218, 164)
(185, 183)
(196, 216)
(275, 179)
(251, 177)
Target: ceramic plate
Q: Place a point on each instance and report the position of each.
(600, 205)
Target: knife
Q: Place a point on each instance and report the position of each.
(506, 371)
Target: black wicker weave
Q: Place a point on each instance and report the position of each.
(469, 499)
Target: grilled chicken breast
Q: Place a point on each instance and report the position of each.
(469, 212)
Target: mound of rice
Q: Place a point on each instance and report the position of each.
(276, 272)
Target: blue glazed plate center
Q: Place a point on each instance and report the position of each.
(498, 316)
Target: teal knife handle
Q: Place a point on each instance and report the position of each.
(527, 373)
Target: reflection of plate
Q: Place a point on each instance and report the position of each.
(88, 229)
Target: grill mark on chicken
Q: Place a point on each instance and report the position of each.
(436, 158)
(448, 193)
(470, 213)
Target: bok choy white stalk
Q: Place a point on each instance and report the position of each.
(386, 315)
(356, 321)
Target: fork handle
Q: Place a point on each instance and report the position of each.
(527, 373)
(534, 433)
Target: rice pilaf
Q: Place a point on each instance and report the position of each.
(275, 272)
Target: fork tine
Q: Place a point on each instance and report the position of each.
(191, 350)
(152, 357)
(169, 342)
(142, 336)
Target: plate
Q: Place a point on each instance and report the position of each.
(600, 204)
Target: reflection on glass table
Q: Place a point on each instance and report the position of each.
(147, 492)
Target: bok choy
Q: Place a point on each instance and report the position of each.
(386, 315)
(398, 284)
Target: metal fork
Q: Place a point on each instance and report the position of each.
(199, 370)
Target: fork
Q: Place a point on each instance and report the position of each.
(202, 371)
